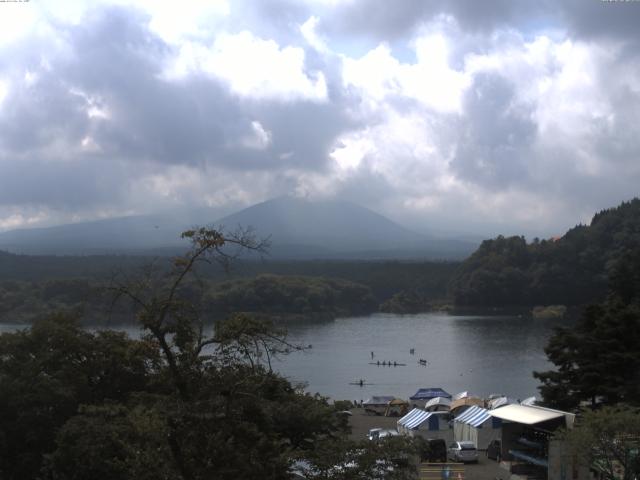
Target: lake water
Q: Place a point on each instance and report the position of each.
(477, 353)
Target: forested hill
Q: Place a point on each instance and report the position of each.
(571, 270)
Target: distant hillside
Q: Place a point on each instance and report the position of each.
(572, 270)
(134, 234)
(298, 228)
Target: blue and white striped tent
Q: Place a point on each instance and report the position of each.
(478, 426)
(474, 416)
(428, 424)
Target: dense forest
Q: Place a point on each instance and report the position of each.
(278, 297)
(571, 270)
(32, 286)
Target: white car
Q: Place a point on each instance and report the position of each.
(379, 433)
(463, 452)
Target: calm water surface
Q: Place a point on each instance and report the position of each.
(477, 353)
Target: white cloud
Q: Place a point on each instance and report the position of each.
(308, 30)
(4, 91)
(253, 67)
(380, 77)
(405, 108)
(258, 139)
(17, 20)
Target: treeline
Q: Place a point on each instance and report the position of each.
(32, 286)
(571, 270)
(287, 295)
(384, 278)
(282, 297)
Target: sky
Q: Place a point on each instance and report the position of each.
(500, 116)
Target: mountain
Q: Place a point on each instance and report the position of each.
(300, 228)
(142, 234)
(297, 229)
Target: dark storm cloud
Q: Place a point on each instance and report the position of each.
(602, 19)
(495, 135)
(63, 184)
(385, 20)
(113, 63)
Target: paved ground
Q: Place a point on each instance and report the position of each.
(485, 469)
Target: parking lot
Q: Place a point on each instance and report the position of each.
(485, 469)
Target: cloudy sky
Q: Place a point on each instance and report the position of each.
(499, 116)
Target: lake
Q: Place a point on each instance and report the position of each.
(482, 354)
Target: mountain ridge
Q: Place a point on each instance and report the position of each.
(298, 229)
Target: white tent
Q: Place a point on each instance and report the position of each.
(438, 404)
(426, 424)
(498, 402)
(478, 426)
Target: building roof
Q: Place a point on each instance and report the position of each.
(474, 416)
(414, 418)
(530, 415)
(428, 393)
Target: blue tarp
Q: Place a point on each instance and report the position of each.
(429, 393)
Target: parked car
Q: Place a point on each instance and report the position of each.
(463, 452)
(380, 433)
(494, 450)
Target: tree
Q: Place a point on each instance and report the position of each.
(598, 360)
(187, 401)
(48, 371)
(608, 440)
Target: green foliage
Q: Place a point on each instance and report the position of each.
(598, 360)
(33, 286)
(407, 302)
(47, 372)
(571, 270)
(608, 440)
(182, 403)
(279, 295)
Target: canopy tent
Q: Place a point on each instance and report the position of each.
(379, 400)
(460, 395)
(377, 404)
(396, 407)
(498, 402)
(426, 424)
(478, 426)
(458, 406)
(440, 404)
(531, 415)
(423, 395)
(530, 401)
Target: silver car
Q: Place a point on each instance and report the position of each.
(463, 452)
